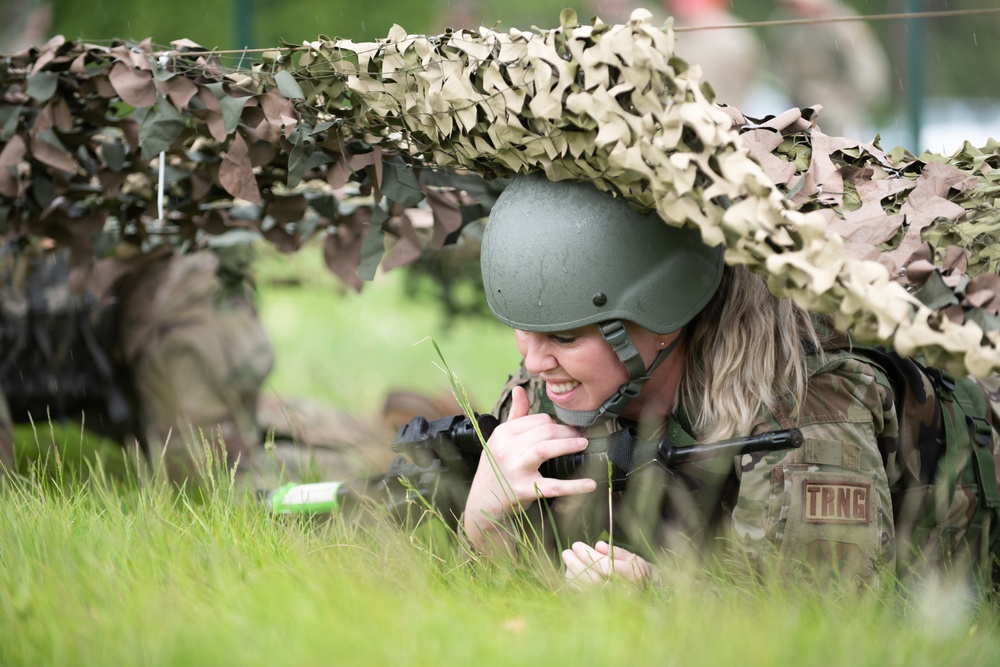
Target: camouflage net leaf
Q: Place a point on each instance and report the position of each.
(84, 127)
(899, 249)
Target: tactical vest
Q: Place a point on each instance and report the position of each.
(946, 499)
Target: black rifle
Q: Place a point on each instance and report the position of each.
(438, 459)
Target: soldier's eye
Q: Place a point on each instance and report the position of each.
(562, 339)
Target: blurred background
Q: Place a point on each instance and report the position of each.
(922, 84)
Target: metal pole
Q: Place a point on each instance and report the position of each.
(243, 11)
(914, 74)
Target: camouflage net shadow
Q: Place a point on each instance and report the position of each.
(388, 148)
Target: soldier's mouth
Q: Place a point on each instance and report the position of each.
(562, 387)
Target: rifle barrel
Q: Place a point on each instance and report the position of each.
(772, 441)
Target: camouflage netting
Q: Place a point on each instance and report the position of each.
(897, 248)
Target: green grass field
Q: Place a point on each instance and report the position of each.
(95, 571)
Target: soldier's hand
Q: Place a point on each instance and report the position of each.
(507, 477)
(586, 565)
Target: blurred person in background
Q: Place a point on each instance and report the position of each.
(730, 59)
(171, 365)
(458, 15)
(24, 23)
(839, 65)
(614, 11)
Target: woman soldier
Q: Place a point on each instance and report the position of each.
(623, 320)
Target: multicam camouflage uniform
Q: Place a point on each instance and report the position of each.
(197, 358)
(829, 502)
(876, 486)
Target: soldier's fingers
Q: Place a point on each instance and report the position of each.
(549, 430)
(631, 566)
(574, 570)
(527, 450)
(547, 487)
(509, 438)
(587, 553)
(517, 426)
(518, 403)
(600, 565)
(544, 450)
(617, 553)
(574, 565)
(580, 571)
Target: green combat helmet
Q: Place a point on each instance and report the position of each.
(561, 255)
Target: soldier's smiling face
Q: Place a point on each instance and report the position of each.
(581, 370)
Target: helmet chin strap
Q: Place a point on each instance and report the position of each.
(614, 332)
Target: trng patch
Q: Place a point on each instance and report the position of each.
(836, 502)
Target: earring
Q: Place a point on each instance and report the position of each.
(663, 343)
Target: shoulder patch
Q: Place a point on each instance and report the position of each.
(836, 502)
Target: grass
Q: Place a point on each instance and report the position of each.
(96, 570)
(95, 575)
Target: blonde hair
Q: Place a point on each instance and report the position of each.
(745, 351)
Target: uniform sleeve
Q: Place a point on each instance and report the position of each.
(824, 507)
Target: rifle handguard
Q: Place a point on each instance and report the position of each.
(773, 441)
